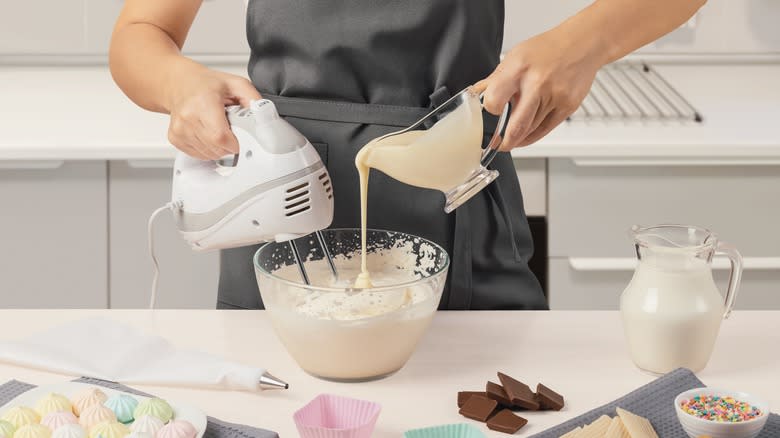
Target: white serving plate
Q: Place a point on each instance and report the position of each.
(181, 411)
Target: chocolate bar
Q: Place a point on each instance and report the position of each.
(506, 422)
(548, 399)
(478, 408)
(463, 396)
(497, 393)
(519, 393)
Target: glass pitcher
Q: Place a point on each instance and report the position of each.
(672, 309)
(441, 151)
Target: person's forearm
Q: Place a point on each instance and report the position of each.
(145, 60)
(607, 30)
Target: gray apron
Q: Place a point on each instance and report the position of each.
(344, 72)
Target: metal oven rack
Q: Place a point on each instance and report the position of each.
(633, 91)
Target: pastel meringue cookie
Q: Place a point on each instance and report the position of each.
(53, 402)
(7, 429)
(123, 406)
(21, 416)
(108, 429)
(70, 431)
(177, 429)
(148, 424)
(139, 435)
(156, 407)
(87, 398)
(33, 430)
(96, 414)
(56, 419)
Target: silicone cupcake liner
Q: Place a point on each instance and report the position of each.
(331, 416)
(446, 431)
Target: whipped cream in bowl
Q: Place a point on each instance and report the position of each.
(336, 331)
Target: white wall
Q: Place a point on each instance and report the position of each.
(720, 27)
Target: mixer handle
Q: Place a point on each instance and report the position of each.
(491, 150)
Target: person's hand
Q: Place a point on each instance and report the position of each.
(545, 79)
(196, 101)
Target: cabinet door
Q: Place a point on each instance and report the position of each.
(187, 279)
(53, 235)
(219, 27)
(34, 27)
(593, 204)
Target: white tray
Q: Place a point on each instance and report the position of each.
(181, 411)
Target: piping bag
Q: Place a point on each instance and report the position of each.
(108, 350)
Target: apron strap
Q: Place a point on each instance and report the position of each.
(461, 282)
(347, 112)
(495, 192)
(364, 113)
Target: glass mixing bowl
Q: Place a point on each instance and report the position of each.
(337, 332)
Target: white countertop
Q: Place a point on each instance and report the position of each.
(580, 354)
(58, 113)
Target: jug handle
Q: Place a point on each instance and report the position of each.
(734, 277)
(498, 135)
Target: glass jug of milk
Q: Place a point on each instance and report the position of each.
(442, 151)
(672, 308)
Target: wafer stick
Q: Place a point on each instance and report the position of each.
(616, 429)
(637, 427)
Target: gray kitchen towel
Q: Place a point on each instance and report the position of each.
(655, 401)
(214, 429)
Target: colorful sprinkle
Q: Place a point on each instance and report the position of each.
(720, 409)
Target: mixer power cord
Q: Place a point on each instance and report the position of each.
(173, 206)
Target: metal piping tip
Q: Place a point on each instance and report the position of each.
(268, 381)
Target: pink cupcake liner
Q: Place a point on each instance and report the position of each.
(331, 416)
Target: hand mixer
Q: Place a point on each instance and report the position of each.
(277, 190)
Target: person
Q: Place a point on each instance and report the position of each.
(344, 72)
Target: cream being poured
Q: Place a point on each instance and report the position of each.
(453, 144)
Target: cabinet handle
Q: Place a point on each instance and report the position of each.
(635, 162)
(31, 164)
(602, 264)
(150, 164)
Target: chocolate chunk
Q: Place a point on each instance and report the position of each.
(548, 399)
(507, 422)
(497, 393)
(463, 396)
(519, 393)
(478, 408)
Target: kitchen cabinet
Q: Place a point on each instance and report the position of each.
(187, 279)
(218, 29)
(593, 203)
(35, 28)
(54, 234)
(596, 283)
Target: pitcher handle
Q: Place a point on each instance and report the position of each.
(735, 276)
(498, 135)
